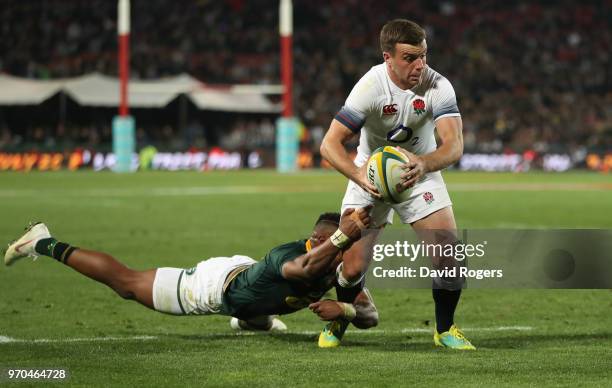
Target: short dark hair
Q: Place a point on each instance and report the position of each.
(329, 218)
(400, 31)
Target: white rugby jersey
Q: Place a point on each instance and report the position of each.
(392, 116)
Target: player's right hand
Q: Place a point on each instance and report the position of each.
(327, 310)
(365, 184)
(353, 221)
(413, 170)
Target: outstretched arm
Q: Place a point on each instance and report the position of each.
(319, 261)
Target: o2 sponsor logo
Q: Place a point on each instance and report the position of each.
(402, 134)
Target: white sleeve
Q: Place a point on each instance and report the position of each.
(443, 100)
(359, 104)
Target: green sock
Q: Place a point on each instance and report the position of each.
(51, 247)
(45, 246)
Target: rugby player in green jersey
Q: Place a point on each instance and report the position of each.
(290, 277)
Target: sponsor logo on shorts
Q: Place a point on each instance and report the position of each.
(190, 271)
(428, 197)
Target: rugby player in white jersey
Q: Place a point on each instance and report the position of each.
(400, 103)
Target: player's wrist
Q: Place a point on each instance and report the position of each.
(339, 239)
(348, 311)
(356, 174)
(426, 163)
(357, 178)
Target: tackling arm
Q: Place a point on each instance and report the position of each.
(312, 265)
(319, 261)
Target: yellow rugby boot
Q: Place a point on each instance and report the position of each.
(332, 333)
(453, 339)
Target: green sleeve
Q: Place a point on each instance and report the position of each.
(283, 253)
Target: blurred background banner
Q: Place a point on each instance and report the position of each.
(533, 79)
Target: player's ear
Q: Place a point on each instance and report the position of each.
(386, 56)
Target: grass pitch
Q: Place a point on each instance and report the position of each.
(52, 317)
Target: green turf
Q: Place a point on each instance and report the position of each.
(561, 338)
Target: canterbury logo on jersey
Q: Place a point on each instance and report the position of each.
(390, 109)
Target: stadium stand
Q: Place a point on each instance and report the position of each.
(528, 75)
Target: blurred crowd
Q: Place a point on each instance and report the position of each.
(528, 74)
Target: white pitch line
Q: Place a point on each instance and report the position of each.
(528, 186)
(150, 192)
(6, 340)
(422, 330)
(194, 191)
(245, 190)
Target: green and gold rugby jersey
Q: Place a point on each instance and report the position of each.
(262, 290)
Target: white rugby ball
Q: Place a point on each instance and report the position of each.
(383, 171)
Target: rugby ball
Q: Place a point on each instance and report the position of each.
(383, 171)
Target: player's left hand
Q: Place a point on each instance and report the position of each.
(327, 310)
(413, 170)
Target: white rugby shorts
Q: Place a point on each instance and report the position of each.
(428, 195)
(194, 291)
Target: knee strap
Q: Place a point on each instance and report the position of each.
(345, 283)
